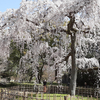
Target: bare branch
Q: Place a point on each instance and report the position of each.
(56, 30)
(34, 22)
(65, 58)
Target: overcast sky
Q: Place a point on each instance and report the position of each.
(7, 4)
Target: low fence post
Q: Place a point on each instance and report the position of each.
(24, 96)
(9, 94)
(65, 97)
(91, 97)
(1, 93)
(97, 96)
(60, 97)
(87, 97)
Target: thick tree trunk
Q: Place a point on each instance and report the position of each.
(74, 69)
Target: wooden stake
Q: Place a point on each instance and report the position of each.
(1, 93)
(65, 98)
(36, 95)
(87, 97)
(24, 96)
(82, 97)
(91, 97)
(43, 95)
(53, 97)
(9, 94)
(70, 97)
(60, 97)
(31, 96)
(78, 98)
(49, 96)
(18, 97)
(21, 96)
(97, 96)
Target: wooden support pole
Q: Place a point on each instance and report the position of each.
(77, 98)
(18, 96)
(60, 97)
(82, 97)
(53, 97)
(97, 96)
(87, 97)
(70, 97)
(31, 96)
(1, 93)
(43, 95)
(13, 95)
(91, 97)
(9, 94)
(49, 96)
(36, 95)
(65, 97)
(21, 97)
(24, 96)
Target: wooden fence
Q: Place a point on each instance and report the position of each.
(58, 89)
(6, 94)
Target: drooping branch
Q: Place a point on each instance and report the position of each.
(56, 30)
(74, 9)
(64, 59)
(33, 22)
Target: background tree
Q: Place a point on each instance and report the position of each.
(13, 61)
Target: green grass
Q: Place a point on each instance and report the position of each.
(61, 97)
(55, 97)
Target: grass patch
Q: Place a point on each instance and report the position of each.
(61, 97)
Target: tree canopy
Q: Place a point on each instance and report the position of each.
(57, 28)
